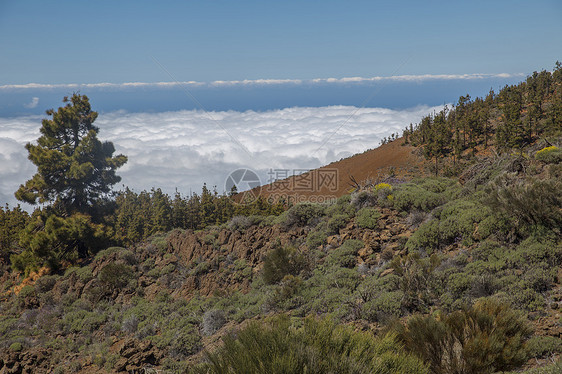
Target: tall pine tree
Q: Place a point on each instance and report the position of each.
(75, 173)
(74, 169)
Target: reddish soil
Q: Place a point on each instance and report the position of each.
(392, 160)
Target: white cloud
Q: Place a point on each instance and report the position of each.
(33, 103)
(256, 82)
(186, 148)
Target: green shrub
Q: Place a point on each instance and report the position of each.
(83, 273)
(239, 223)
(27, 291)
(424, 194)
(46, 283)
(346, 255)
(417, 279)
(540, 277)
(458, 221)
(82, 321)
(494, 224)
(336, 223)
(109, 251)
(426, 237)
(486, 338)
(373, 285)
(281, 261)
(115, 275)
(531, 203)
(201, 268)
(458, 284)
(210, 239)
(316, 239)
(303, 215)
(330, 289)
(555, 368)
(342, 206)
(544, 346)
(319, 346)
(289, 287)
(170, 324)
(16, 347)
(383, 306)
(367, 218)
(160, 242)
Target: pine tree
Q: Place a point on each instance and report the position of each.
(12, 222)
(75, 174)
(74, 169)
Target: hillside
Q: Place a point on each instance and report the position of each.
(399, 270)
(392, 160)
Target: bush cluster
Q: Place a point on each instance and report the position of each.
(318, 346)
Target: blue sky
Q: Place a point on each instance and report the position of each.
(115, 41)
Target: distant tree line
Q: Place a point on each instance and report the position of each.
(513, 118)
(140, 215)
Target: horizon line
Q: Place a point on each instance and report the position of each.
(262, 82)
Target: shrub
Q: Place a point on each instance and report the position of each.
(424, 194)
(130, 324)
(549, 155)
(416, 218)
(281, 261)
(201, 268)
(46, 283)
(16, 347)
(367, 218)
(383, 306)
(109, 251)
(544, 346)
(336, 223)
(540, 277)
(115, 275)
(330, 290)
(303, 215)
(316, 239)
(342, 206)
(494, 224)
(416, 278)
(555, 368)
(383, 191)
(319, 346)
(239, 223)
(213, 320)
(363, 199)
(486, 338)
(531, 203)
(346, 255)
(159, 242)
(426, 237)
(459, 219)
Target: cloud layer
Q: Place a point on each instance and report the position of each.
(184, 149)
(257, 82)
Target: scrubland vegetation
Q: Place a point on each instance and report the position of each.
(457, 273)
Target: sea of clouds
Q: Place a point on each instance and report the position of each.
(184, 149)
